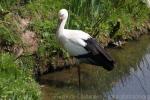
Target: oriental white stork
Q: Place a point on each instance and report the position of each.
(81, 45)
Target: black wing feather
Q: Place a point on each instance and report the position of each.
(98, 55)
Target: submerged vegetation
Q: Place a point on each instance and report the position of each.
(97, 17)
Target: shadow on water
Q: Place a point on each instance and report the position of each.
(130, 78)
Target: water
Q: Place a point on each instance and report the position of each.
(134, 86)
(128, 81)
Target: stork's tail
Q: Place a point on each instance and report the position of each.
(97, 55)
(98, 60)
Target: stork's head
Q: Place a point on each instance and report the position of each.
(63, 14)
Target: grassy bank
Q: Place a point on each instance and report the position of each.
(98, 18)
(16, 80)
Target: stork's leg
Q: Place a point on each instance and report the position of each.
(79, 78)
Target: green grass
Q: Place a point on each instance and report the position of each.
(130, 12)
(16, 82)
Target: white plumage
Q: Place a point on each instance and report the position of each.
(72, 40)
(79, 43)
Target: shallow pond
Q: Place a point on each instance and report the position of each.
(130, 80)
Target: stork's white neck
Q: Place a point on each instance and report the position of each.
(61, 26)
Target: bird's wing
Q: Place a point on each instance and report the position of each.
(95, 48)
(78, 41)
(86, 41)
(77, 37)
